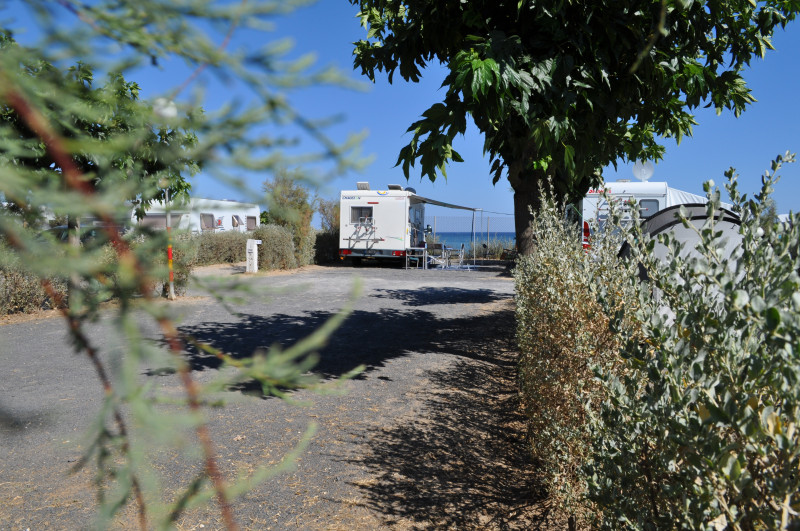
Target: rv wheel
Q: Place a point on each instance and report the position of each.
(356, 262)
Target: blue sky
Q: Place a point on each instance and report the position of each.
(749, 143)
(770, 127)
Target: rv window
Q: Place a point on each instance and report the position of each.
(648, 207)
(359, 214)
(236, 220)
(206, 221)
(251, 223)
(154, 221)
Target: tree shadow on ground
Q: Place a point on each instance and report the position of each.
(368, 338)
(464, 463)
(428, 296)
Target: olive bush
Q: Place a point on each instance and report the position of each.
(277, 247)
(225, 247)
(305, 251)
(21, 290)
(565, 298)
(700, 430)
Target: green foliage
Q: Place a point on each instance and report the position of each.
(226, 247)
(304, 251)
(84, 150)
(326, 247)
(496, 248)
(562, 89)
(185, 255)
(111, 133)
(563, 333)
(290, 206)
(277, 248)
(329, 214)
(702, 425)
(21, 291)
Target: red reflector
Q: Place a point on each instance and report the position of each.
(585, 235)
(398, 253)
(372, 202)
(345, 251)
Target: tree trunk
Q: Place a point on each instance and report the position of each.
(73, 282)
(527, 198)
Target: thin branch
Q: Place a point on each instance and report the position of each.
(77, 332)
(657, 32)
(75, 180)
(199, 70)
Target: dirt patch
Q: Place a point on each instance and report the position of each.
(240, 268)
(203, 271)
(17, 318)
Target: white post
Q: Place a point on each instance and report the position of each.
(252, 255)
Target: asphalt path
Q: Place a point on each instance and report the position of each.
(428, 436)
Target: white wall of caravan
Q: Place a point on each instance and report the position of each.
(201, 215)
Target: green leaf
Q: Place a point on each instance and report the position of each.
(740, 299)
(773, 317)
(569, 157)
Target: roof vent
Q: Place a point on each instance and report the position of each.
(362, 186)
(409, 189)
(395, 187)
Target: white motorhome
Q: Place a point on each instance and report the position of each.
(650, 196)
(382, 224)
(203, 215)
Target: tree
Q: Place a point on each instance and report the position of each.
(116, 140)
(328, 210)
(290, 206)
(561, 89)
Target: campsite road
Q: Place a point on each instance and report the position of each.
(428, 436)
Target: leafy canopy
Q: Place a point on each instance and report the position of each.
(563, 88)
(116, 141)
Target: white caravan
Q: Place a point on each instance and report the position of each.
(204, 215)
(382, 224)
(650, 196)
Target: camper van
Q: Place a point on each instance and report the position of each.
(380, 224)
(200, 215)
(650, 197)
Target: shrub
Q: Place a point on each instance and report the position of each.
(277, 248)
(226, 247)
(565, 299)
(290, 206)
(495, 248)
(21, 290)
(153, 249)
(326, 247)
(702, 429)
(305, 252)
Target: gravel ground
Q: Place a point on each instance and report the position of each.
(429, 436)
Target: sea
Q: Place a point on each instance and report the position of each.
(455, 239)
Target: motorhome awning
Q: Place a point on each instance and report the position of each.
(421, 199)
